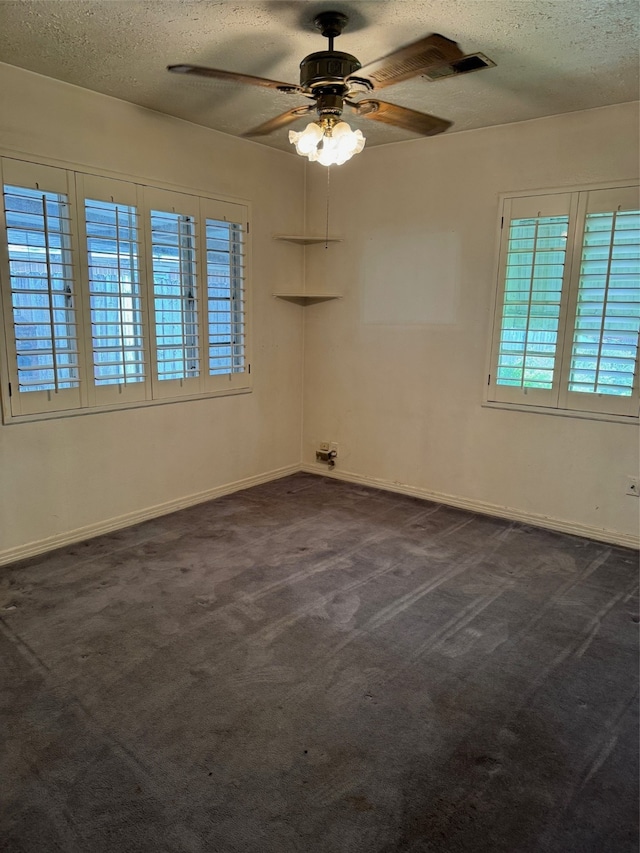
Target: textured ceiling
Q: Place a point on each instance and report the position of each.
(552, 56)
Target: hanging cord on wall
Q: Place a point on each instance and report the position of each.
(326, 237)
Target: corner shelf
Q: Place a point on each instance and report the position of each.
(305, 298)
(306, 241)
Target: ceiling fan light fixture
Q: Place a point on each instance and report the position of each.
(330, 144)
(307, 140)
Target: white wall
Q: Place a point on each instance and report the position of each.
(395, 370)
(66, 478)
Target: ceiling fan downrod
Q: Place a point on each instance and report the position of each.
(331, 25)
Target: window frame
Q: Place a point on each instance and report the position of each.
(87, 183)
(95, 188)
(34, 403)
(180, 204)
(563, 402)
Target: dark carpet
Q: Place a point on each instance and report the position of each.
(314, 666)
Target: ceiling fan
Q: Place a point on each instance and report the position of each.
(332, 80)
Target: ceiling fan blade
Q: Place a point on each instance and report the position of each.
(280, 121)
(411, 60)
(203, 71)
(422, 123)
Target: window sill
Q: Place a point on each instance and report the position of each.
(563, 413)
(9, 419)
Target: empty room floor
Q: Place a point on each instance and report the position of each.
(310, 665)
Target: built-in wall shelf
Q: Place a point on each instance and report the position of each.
(307, 298)
(306, 240)
(303, 296)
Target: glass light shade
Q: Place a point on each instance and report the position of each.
(314, 143)
(307, 140)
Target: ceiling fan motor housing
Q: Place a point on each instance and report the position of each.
(327, 68)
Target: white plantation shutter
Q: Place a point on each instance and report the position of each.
(533, 269)
(42, 303)
(225, 233)
(568, 314)
(174, 219)
(606, 321)
(114, 269)
(115, 294)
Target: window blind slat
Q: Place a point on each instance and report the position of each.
(608, 310)
(173, 239)
(114, 291)
(225, 285)
(76, 309)
(532, 298)
(42, 288)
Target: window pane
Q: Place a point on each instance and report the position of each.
(44, 311)
(225, 291)
(173, 245)
(114, 292)
(605, 339)
(532, 297)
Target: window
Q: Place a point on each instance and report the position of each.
(114, 292)
(111, 267)
(225, 295)
(117, 294)
(568, 310)
(173, 246)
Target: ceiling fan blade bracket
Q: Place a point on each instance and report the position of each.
(365, 108)
(358, 84)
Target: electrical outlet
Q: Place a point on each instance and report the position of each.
(633, 486)
(324, 445)
(334, 447)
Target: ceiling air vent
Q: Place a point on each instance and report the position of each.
(471, 62)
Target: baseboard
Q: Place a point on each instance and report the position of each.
(611, 536)
(32, 549)
(79, 534)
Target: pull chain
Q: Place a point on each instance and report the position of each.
(326, 237)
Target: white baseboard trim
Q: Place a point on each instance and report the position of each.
(611, 536)
(32, 549)
(79, 534)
